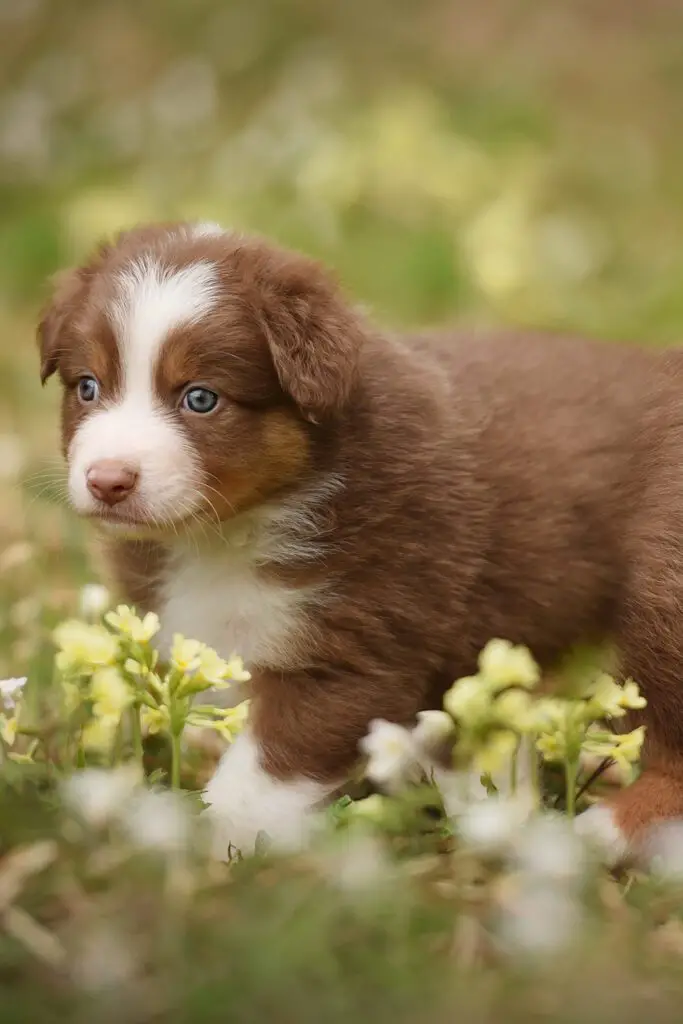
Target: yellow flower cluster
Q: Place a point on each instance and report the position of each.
(202, 668)
(496, 707)
(112, 671)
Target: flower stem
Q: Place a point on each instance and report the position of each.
(535, 777)
(570, 773)
(175, 761)
(514, 766)
(136, 730)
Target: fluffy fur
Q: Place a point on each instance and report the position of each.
(361, 513)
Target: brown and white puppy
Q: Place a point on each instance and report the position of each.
(358, 514)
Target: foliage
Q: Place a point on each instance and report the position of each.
(112, 897)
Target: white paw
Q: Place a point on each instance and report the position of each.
(598, 827)
(247, 804)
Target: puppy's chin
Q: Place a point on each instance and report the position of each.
(139, 526)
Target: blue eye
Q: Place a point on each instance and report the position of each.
(88, 389)
(200, 400)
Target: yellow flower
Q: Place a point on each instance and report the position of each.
(501, 664)
(99, 733)
(71, 696)
(553, 746)
(496, 752)
(127, 623)
(236, 670)
(628, 747)
(110, 692)
(609, 700)
(515, 709)
(229, 722)
(83, 646)
(468, 701)
(202, 667)
(550, 714)
(8, 729)
(155, 719)
(561, 725)
(606, 697)
(185, 654)
(135, 668)
(212, 670)
(632, 699)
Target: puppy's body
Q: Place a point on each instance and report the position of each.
(376, 509)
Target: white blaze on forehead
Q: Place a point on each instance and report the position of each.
(153, 300)
(150, 302)
(206, 229)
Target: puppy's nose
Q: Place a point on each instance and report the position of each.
(111, 480)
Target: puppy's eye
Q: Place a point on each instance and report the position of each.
(200, 400)
(88, 389)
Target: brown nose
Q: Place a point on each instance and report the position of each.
(111, 480)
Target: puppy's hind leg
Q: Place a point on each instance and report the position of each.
(651, 646)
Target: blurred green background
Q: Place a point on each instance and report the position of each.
(503, 161)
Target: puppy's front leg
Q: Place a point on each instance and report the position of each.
(301, 746)
(246, 799)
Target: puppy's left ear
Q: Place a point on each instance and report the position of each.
(67, 291)
(314, 338)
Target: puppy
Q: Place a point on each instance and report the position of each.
(357, 514)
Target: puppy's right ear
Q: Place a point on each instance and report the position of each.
(67, 292)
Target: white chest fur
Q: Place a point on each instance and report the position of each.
(224, 596)
(229, 605)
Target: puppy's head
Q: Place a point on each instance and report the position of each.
(197, 367)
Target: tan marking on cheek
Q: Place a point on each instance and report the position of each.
(282, 457)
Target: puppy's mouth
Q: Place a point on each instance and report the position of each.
(122, 521)
(137, 521)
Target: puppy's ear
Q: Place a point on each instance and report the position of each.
(314, 337)
(67, 291)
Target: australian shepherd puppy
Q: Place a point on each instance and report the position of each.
(356, 513)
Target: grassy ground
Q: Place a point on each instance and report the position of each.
(519, 164)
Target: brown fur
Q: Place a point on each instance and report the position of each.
(505, 485)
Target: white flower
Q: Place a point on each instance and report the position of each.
(432, 730)
(391, 753)
(10, 691)
(356, 864)
(157, 820)
(549, 848)
(98, 794)
(491, 826)
(94, 601)
(538, 919)
(103, 960)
